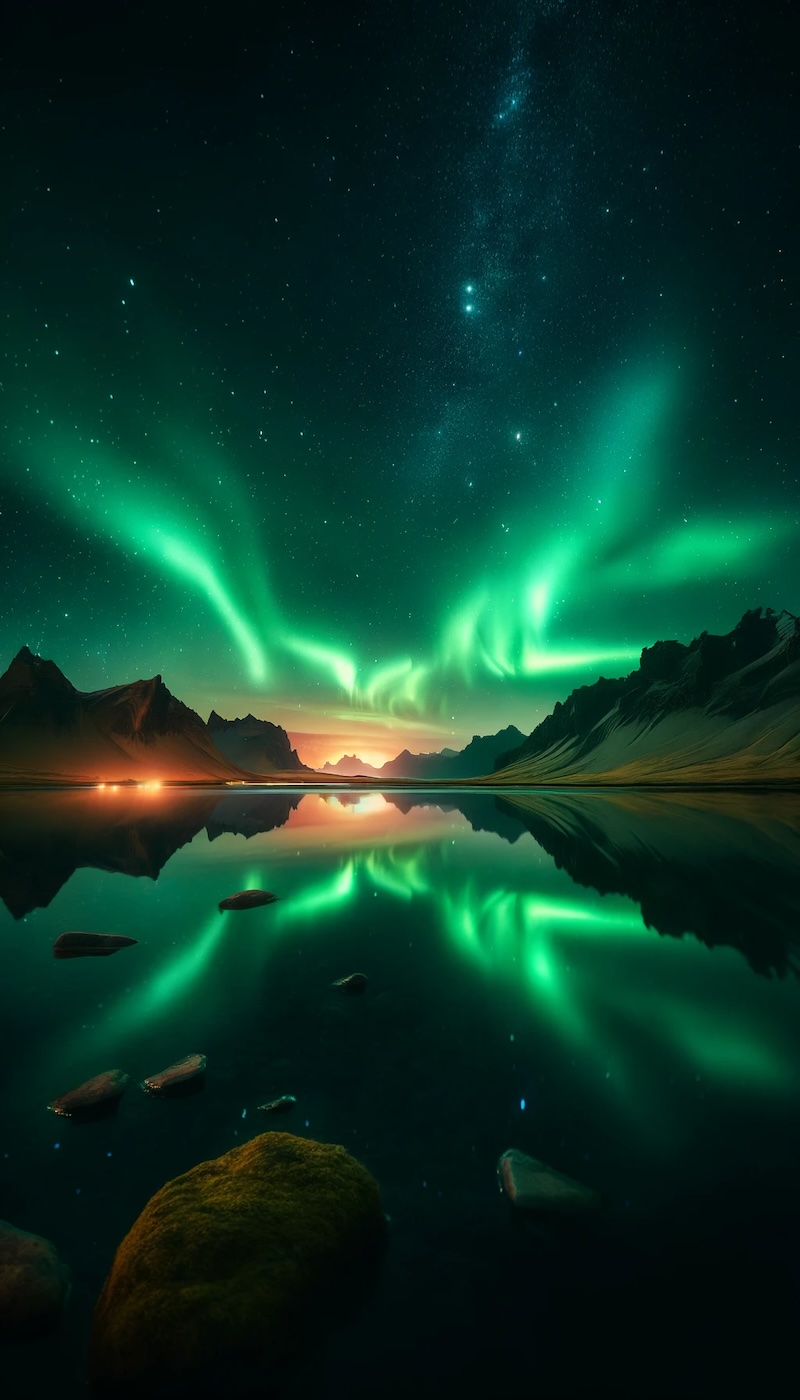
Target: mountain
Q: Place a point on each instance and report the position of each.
(720, 710)
(349, 765)
(477, 759)
(255, 744)
(474, 761)
(52, 733)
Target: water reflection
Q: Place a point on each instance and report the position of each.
(719, 866)
(519, 995)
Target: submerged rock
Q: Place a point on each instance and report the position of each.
(247, 899)
(532, 1185)
(90, 945)
(185, 1076)
(353, 984)
(286, 1101)
(34, 1284)
(243, 1258)
(97, 1098)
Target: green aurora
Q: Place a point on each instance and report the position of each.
(383, 505)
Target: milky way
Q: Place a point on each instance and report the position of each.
(390, 375)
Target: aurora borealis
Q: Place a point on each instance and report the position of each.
(390, 372)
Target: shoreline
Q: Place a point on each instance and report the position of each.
(486, 784)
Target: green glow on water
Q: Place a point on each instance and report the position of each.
(602, 989)
(321, 898)
(731, 1052)
(157, 997)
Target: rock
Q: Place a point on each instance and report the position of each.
(90, 945)
(247, 899)
(280, 1105)
(532, 1185)
(34, 1284)
(243, 1258)
(185, 1076)
(353, 985)
(97, 1098)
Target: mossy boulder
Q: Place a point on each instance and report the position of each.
(241, 1261)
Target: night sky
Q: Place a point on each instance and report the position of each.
(390, 370)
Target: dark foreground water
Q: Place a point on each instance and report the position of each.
(607, 981)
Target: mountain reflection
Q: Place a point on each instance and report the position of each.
(46, 837)
(720, 866)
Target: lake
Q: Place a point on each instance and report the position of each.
(605, 980)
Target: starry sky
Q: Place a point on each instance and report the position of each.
(390, 370)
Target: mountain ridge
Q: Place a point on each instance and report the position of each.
(256, 745)
(718, 709)
(446, 764)
(52, 732)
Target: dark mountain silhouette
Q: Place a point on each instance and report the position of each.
(255, 745)
(720, 710)
(51, 732)
(478, 758)
(349, 766)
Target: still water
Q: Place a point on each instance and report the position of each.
(607, 981)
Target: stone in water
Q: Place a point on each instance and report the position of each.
(532, 1185)
(90, 945)
(185, 1076)
(97, 1098)
(280, 1105)
(353, 984)
(247, 899)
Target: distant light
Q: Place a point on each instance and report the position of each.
(244, 1112)
(56, 1146)
(101, 785)
(130, 279)
(519, 437)
(522, 1105)
(470, 288)
(468, 306)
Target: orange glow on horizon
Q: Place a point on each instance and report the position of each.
(149, 785)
